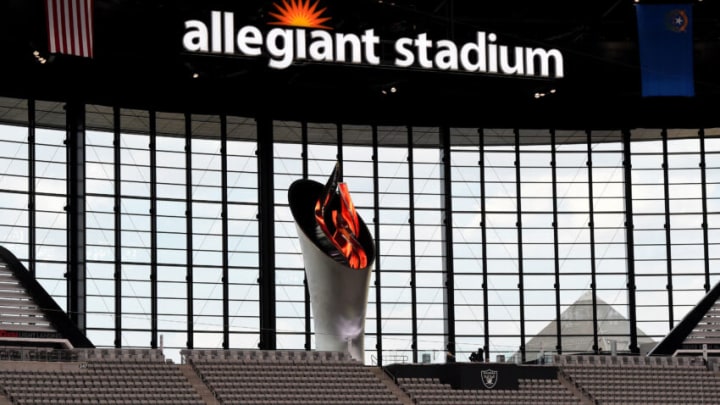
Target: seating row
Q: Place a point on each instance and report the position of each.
(267, 356)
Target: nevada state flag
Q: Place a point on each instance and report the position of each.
(665, 41)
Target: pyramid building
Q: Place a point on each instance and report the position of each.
(576, 324)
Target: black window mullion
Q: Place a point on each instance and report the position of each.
(305, 174)
(339, 155)
(268, 330)
(225, 232)
(630, 242)
(189, 229)
(518, 225)
(483, 232)
(153, 234)
(76, 240)
(556, 247)
(376, 223)
(413, 267)
(118, 225)
(706, 237)
(448, 243)
(32, 217)
(591, 228)
(668, 240)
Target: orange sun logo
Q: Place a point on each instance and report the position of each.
(299, 13)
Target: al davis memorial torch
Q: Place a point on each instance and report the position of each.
(338, 253)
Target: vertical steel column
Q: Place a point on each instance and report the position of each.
(339, 155)
(668, 240)
(413, 267)
(225, 231)
(76, 271)
(118, 225)
(556, 247)
(153, 234)
(32, 256)
(266, 206)
(521, 287)
(305, 174)
(304, 156)
(591, 226)
(378, 263)
(189, 230)
(483, 233)
(706, 237)
(629, 228)
(449, 290)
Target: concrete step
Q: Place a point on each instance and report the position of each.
(4, 400)
(394, 388)
(198, 384)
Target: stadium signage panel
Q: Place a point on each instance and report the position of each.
(29, 335)
(287, 45)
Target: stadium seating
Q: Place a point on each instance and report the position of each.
(30, 376)
(97, 376)
(288, 377)
(623, 380)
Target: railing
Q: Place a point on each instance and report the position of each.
(389, 358)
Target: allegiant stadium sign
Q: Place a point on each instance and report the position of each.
(287, 45)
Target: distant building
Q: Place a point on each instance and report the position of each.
(577, 331)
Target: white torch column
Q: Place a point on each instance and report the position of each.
(338, 293)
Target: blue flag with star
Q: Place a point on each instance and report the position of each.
(665, 41)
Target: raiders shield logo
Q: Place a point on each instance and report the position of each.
(489, 378)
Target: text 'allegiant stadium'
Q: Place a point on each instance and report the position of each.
(285, 46)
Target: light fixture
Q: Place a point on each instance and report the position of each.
(39, 58)
(389, 88)
(544, 92)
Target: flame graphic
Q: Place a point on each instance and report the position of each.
(299, 13)
(336, 215)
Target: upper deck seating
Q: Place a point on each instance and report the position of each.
(99, 376)
(288, 377)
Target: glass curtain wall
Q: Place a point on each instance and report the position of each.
(575, 263)
(242, 242)
(15, 212)
(50, 189)
(468, 248)
(548, 230)
(710, 159)
(686, 272)
(610, 206)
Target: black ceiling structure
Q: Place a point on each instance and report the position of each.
(140, 62)
(27, 306)
(697, 328)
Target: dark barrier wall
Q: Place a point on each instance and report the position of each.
(474, 375)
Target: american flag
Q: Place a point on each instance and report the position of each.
(70, 27)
